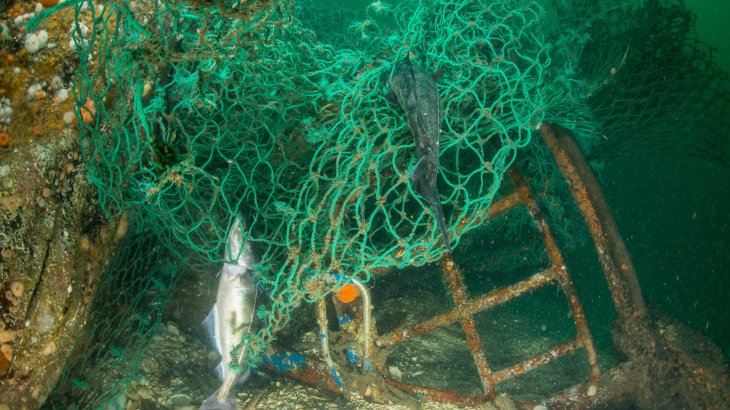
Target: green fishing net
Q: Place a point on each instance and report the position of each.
(632, 78)
(198, 111)
(191, 112)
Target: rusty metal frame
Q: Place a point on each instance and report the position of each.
(465, 308)
(616, 265)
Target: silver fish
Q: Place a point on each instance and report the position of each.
(233, 316)
(415, 90)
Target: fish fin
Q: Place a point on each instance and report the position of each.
(436, 76)
(417, 176)
(391, 98)
(439, 211)
(209, 325)
(212, 403)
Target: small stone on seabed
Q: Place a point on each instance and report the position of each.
(33, 90)
(56, 83)
(395, 372)
(49, 349)
(592, 390)
(61, 95)
(178, 400)
(144, 393)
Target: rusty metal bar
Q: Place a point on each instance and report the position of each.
(324, 339)
(308, 370)
(576, 309)
(507, 202)
(469, 308)
(498, 207)
(537, 361)
(436, 395)
(612, 253)
(614, 260)
(456, 282)
(581, 324)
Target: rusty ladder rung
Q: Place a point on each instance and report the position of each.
(613, 257)
(465, 308)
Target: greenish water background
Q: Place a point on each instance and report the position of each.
(674, 215)
(713, 20)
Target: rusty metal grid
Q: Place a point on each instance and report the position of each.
(465, 308)
(616, 265)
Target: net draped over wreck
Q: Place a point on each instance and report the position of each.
(191, 113)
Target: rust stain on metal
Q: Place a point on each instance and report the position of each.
(456, 283)
(612, 253)
(537, 361)
(614, 260)
(314, 373)
(441, 396)
(498, 207)
(469, 308)
(556, 258)
(480, 359)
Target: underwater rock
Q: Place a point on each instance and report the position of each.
(47, 273)
(54, 241)
(144, 393)
(54, 238)
(179, 400)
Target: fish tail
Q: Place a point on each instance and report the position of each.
(442, 223)
(213, 403)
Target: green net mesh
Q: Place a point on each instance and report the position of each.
(126, 308)
(192, 112)
(252, 115)
(632, 78)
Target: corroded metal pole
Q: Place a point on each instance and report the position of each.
(634, 338)
(612, 253)
(366, 323)
(469, 308)
(557, 261)
(454, 278)
(324, 338)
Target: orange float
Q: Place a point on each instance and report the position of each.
(348, 293)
